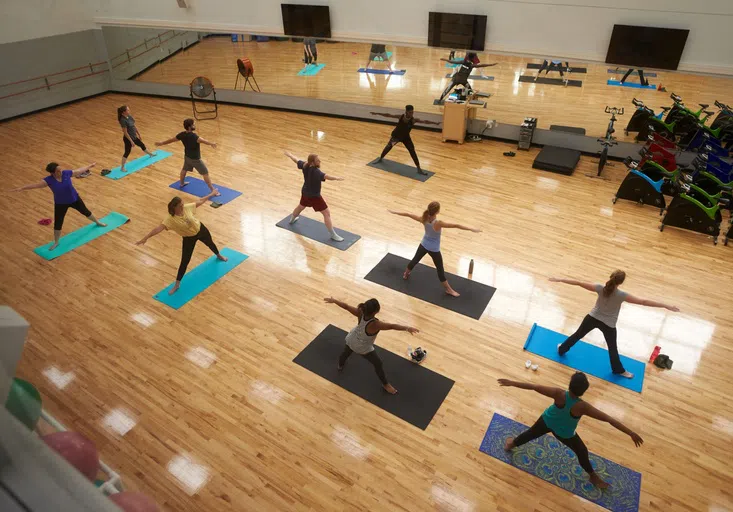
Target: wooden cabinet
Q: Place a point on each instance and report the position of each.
(456, 117)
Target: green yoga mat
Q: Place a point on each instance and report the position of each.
(77, 238)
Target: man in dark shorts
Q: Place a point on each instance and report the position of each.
(310, 52)
(460, 77)
(401, 133)
(192, 152)
(379, 51)
(310, 193)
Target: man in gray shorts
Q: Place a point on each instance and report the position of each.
(379, 50)
(192, 152)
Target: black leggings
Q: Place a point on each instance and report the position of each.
(59, 212)
(372, 357)
(308, 59)
(643, 81)
(189, 242)
(128, 146)
(456, 80)
(408, 145)
(437, 259)
(575, 443)
(589, 323)
(550, 66)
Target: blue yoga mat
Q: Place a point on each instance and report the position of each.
(584, 357)
(633, 85)
(382, 71)
(137, 164)
(449, 65)
(68, 243)
(311, 69)
(199, 188)
(623, 72)
(200, 278)
(549, 459)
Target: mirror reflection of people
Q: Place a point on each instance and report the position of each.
(310, 52)
(401, 133)
(379, 51)
(462, 74)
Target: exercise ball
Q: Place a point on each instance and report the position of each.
(24, 402)
(134, 502)
(78, 451)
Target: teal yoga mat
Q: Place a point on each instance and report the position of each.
(139, 163)
(201, 277)
(311, 69)
(77, 238)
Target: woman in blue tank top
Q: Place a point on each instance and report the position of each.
(430, 243)
(562, 418)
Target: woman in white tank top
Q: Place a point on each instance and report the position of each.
(604, 314)
(430, 243)
(361, 338)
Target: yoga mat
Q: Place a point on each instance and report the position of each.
(397, 168)
(473, 77)
(317, 231)
(421, 391)
(383, 71)
(533, 65)
(584, 357)
(623, 72)
(633, 85)
(449, 65)
(133, 166)
(380, 59)
(199, 188)
(423, 284)
(201, 277)
(311, 69)
(71, 241)
(550, 81)
(549, 459)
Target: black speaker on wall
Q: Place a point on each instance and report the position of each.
(646, 47)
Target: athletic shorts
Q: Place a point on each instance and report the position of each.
(317, 203)
(383, 55)
(189, 164)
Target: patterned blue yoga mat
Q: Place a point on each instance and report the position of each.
(549, 459)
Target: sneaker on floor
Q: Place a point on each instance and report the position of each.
(336, 238)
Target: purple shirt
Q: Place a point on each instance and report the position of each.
(63, 191)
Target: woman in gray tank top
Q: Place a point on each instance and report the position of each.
(604, 314)
(361, 338)
(430, 243)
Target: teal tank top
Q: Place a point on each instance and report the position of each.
(560, 421)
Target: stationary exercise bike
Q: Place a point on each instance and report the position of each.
(641, 115)
(609, 140)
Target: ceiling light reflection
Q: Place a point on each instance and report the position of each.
(349, 443)
(190, 474)
(201, 357)
(119, 421)
(57, 377)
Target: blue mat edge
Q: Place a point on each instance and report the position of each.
(165, 154)
(213, 199)
(633, 85)
(59, 254)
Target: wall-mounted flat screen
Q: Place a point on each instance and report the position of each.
(646, 47)
(457, 31)
(306, 20)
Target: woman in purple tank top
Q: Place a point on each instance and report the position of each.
(65, 196)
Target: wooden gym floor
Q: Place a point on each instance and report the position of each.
(203, 409)
(276, 65)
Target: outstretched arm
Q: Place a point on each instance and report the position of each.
(328, 177)
(204, 141)
(42, 184)
(588, 286)
(158, 229)
(351, 309)
(424, 121)
(384, 326)
(405, 214)
(588, 410)
(486, 65)
(441, 224)
(168, 141)
(206, 198)
(650, 303)
(548, 391)
(82, 170)
(291, 156)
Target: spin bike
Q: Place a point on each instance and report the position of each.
(609, 140)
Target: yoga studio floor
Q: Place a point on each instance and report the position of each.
(203, 408)
(276, 65)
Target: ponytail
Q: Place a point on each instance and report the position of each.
(616, 279)
(368, 308)
(432, 209)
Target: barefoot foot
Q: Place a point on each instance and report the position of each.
(390, 389)
(452, 292)
(293, 219)
(509, 444)
(406, 275)
(628, 375)
(174, 289)
(222, 258)
(55, 244)
(101, 224)
(596, 480)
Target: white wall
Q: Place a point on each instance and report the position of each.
(578, 29)
(31, 19)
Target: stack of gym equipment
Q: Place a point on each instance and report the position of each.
(699, 190)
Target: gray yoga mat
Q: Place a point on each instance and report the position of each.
(317, 231)
(397, 168)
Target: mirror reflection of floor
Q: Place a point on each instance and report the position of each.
(276, 65)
